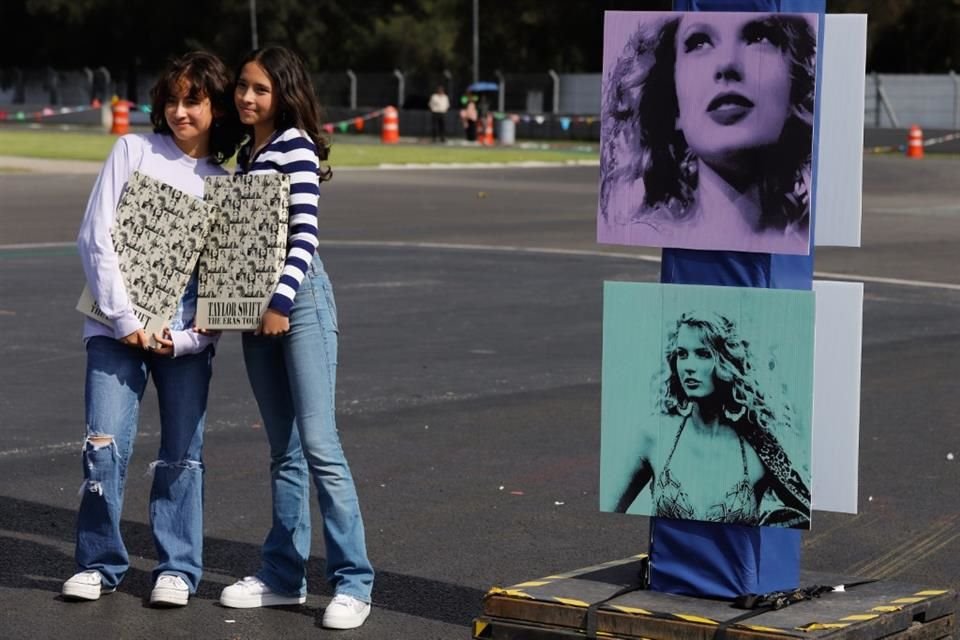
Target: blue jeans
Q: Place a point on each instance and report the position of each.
(293, 379)
(116, 379)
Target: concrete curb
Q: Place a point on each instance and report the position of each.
(82, 167)
(43, 165)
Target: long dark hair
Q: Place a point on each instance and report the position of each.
(207, 77)
(640, 111)
(296, 100)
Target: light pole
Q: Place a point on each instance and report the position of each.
(556, 89)
(353, 88)
(253, 24)
(449, 81)
(476, 40)
(399, 75)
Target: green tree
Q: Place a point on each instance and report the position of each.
(924, 39)
(417, 36)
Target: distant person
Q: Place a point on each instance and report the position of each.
(469, 117)
(194, 132)
(291, 359)
(439, 105)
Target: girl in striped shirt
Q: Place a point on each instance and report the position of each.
(291, 359)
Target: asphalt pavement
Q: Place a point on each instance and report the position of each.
(468, 401)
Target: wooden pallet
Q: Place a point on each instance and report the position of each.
(555, 607)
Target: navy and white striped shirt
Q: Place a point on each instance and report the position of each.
(292, 152)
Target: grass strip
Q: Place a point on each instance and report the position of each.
(85, 145)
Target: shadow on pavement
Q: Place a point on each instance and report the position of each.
(28, 564)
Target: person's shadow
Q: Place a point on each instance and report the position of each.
(26, 563)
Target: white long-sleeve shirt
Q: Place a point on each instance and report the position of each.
(439, 103)
(159, 157)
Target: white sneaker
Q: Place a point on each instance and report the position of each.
(253, 592)
(170, 590)
(345, 612)
(86, 585)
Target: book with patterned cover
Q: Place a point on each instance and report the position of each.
(241, 263)
(158, 234)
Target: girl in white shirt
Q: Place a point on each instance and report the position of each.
(194, 132)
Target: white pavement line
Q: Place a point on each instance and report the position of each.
(77, 445)
(629, 256)
(37, 245)
(68, 547)
(922, 284)
(44, 448)
(940, 210)
(51, 541)
(487, 247)
(389, 284)
(50, 166)
(520, 164)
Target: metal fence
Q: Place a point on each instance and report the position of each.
(891, 100)
(896, 101)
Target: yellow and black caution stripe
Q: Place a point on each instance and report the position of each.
(480, 627)
(598, 589)
(509, 593)
(519, 590)
(875, 612)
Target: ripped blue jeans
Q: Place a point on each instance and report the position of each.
(116, 379)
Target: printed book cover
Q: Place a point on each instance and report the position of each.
(158, 234)
(245, 249)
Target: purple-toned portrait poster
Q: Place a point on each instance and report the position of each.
(707, 130)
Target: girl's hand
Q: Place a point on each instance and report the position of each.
(206, 332)
(138, 340)
(164, 343)
(273, 323)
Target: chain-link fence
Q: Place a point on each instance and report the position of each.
(898, 100)
(571, 102)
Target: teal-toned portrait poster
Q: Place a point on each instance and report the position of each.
(707, 401)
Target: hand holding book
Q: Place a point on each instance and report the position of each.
(273, 323)
(138, 339)
(164, 343)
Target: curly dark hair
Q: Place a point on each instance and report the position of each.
(297, 104)
(206, 76)
(736, 386)
(640, 111)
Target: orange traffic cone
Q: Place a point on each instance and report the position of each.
(915, 142)
(488, 130)
(121, 118)
(390, 133)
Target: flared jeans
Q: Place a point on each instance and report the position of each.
(293, 379)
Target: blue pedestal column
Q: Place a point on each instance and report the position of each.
(713, 560)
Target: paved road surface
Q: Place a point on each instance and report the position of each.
(470, 310)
